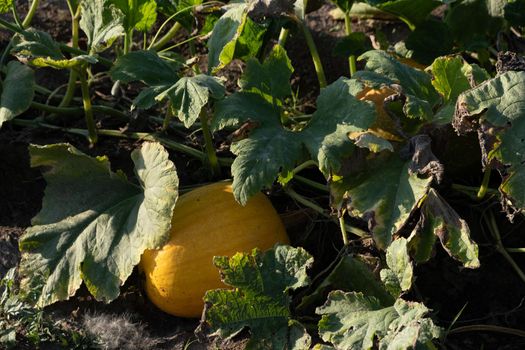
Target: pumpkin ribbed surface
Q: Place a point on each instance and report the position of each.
(206, 222)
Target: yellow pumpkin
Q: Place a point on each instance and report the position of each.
(206, 222)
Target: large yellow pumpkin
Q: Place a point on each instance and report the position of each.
(206, 222)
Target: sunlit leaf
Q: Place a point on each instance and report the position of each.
(94, 223)
(18, 89)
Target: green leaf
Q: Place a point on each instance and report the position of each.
(102, 22)
(474, 23)
(429, 40)
(497, 109)
(18, 89)
(384, 194)
(355, 43)
(383, 69)
(95, 224)
(354, 321)
(6, 5)
(398, 277)
(271, 79)
(344, 5)
(260, 157)
(234, 35)
(138, 14)
(438, 219)
(145, 66)
(351, 275)
(260, 300)
(190, 94)
(412, 12)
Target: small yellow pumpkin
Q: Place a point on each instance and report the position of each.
(206, 222)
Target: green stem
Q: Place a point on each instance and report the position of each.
(210, 148)
(30, 14)
(294, 195)
(311, 183)
(167, 118)
(493, 226)
(192, 152)
(16, 17)
(307, 164)
(315, 54)
(88, 110)
(472, 190)
(515, 250)
(283, 35)
(127, 41)
(166, 38)
(79, 110)
(75, 31)
(484, 184)
(348, 30)
(342, 227)
(489, 328)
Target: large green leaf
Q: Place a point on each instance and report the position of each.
(18, 89)
(354, 321)
(429, 40)
(496, 109)
(94, 223)
(260, 300)
(138, 14)
(234, 35)
(40, 50)
(399, 274)
(383, 69)
(384, 194)
(440, 220)
(260, 156)
(412, 12)
(145, 66)
(102, 22)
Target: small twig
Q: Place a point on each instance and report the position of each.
(490, 328)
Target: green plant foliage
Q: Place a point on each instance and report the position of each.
(40, 50)
(188, 95)
(138, 14)
(440, 220)
(180, 9)
(234, 35)
(383, 69)
(384, 194)
(95, 224)
(353, 44)
(260, 157)
(260, 300)
(6, 5)
(412, 12)
(430, 39)
(397, 278)
(102, 22)
(496, 108)
(514, 12)
(18, 89)
(352, 275)
(354, 321)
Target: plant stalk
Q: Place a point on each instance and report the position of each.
(515, 250)
(348, 29)
(493, 227)
(79, 110)
(484, 184)
(489, 328)
(75, 31)
(314, 53)
(88, 110)
(342, 227)
(283, 36)
(30, 14)
(166, 38)
(210, 148)
(311, 183)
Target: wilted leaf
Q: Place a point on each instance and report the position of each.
(496, 109)
(18, 89)
(95, 224)
(438, 219)
(398, 277)
(102, 22)
(260, 300)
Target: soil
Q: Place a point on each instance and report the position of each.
(493, 294)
